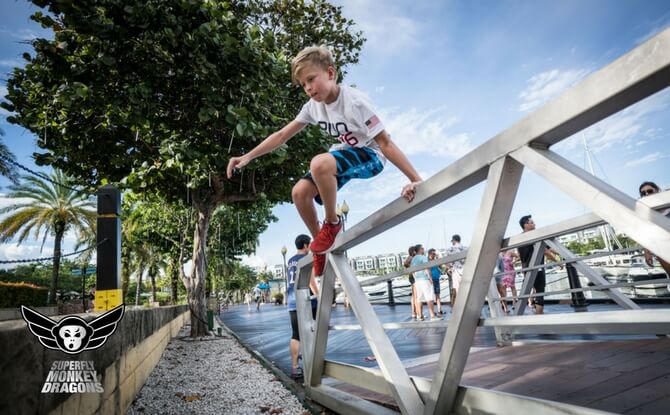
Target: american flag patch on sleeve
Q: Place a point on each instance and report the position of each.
(372, 122)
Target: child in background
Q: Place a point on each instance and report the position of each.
(509, 278)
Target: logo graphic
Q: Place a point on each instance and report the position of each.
(72, 334)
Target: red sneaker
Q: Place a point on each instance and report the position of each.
(318, 264)
(326, 238)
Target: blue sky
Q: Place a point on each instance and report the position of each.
(447, 76)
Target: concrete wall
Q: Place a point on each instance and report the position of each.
(123, 364)
(15, 313)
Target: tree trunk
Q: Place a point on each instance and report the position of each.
(138, 289)
(59, 230)
(125, 271)
(178, 273)
(174, 280)
(152, 274)
(195, 283)
(83, 286)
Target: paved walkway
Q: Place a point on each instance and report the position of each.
(269, 330)
(625, 374)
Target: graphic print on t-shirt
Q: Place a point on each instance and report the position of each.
(339, 130)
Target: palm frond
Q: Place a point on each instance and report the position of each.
(12, 223)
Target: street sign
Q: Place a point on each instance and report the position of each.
(89, 271)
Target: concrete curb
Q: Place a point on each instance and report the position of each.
(296, 388)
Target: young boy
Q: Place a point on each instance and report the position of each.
(345, 114)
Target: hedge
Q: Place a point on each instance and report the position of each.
(15, 294)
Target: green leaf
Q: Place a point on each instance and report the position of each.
(108, 60)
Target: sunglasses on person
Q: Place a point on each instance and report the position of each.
(647, 192)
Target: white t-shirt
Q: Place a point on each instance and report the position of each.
(351, 119)
(454, 249)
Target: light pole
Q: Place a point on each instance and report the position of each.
(344, 209)
(343, 212)
(283, 254)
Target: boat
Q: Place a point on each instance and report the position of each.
(640, 271)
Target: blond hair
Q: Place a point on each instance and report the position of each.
(316, 56)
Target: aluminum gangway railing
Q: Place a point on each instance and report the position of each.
(499, 162)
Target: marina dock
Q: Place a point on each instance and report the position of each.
(613, 373)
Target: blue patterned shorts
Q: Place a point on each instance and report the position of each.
(352, 163)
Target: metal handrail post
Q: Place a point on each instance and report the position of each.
(491, 223)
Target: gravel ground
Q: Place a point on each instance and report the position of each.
(212, 375)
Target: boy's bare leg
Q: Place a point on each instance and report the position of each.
(295, 348)
(303, 197)
(324, 168)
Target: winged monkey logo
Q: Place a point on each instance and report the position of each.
(72, 334)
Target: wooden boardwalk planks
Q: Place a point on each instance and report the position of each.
(625, 376)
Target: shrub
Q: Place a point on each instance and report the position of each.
(278, 298)
(15, 294)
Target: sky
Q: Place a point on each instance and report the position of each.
(445, 77)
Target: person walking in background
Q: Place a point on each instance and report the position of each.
(509, 278)
(411, 251)
(526, 253)
(423, 284)
(435, 274)
(498, 276)
(646, 189)
(247, 300)
(456, 266)
(302, 245)
(257, 296)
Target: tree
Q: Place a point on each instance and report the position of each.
(51, 209)
(170, 89)
(87, 238)
(7, 169)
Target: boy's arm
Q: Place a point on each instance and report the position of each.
(398, 158)
(273, 141)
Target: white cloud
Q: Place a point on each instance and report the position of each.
(649, 158)
(10, 62)
(13, 252)
(546, 85)
(5, 201)
(387, 30)
(25, 34)
(426, 132)
(21, 34)
(623, 128)
(254, 261)
(367, 196)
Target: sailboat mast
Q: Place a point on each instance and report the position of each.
(606, 231)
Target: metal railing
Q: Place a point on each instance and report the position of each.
(500, 162)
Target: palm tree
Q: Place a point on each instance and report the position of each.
(7, 169)
(87, 238)
(50, 209)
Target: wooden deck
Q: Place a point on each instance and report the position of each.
(626, 374)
